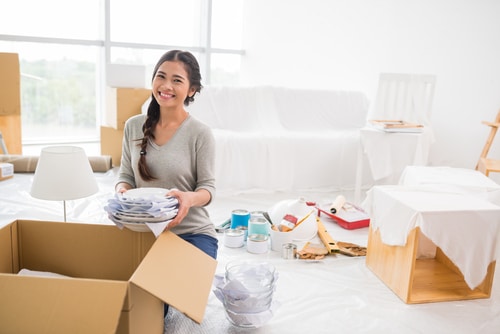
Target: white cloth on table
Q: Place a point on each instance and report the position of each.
(465, 227)
(452, 179)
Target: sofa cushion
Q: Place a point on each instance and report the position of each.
(249, 109)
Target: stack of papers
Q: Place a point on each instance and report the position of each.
(143, 209)
(396, 126)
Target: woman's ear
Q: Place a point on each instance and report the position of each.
(192, 91)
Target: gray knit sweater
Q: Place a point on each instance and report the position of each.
(185, 162)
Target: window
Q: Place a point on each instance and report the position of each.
(63, 64)
(68, 19)
(161, 22)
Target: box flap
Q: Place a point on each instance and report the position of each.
(59, 306)
(178, 273)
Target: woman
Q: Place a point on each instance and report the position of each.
(169, 148)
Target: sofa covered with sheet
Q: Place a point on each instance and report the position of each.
(281, 139)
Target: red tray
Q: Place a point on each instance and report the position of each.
(350, 219)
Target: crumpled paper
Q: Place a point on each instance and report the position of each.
(244, 308)
(156, 212)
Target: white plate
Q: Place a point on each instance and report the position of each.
(137, 227)
(138, 193)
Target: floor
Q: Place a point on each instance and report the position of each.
(337, 294)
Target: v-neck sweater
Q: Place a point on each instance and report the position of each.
(185, 162)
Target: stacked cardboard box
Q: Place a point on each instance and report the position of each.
(116, 281)
(10, 102)
(122, 103)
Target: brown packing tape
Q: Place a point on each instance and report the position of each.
(27, 164)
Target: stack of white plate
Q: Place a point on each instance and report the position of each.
(137, 208)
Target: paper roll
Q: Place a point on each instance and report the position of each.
(27, 164)
(337, 204)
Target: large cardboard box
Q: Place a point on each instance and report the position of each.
(421, 280)
(123, 103)
(117, 279)
(10, 84)
(111, 144)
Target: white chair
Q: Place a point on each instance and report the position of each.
(407, 97)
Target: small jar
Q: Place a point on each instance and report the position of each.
(257, 243)
(289, 251)
(234, 238)
(239, 217)
(258, 225)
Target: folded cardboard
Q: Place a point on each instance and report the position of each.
(119, 279)
(6, 170)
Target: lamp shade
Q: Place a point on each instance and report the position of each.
(63, 173)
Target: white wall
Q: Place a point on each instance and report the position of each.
(345, 44)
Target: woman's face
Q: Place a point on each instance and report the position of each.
(171, 84)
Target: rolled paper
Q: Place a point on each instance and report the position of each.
(337, 204)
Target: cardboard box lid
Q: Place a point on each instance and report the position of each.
(59, 306)
(178, 273)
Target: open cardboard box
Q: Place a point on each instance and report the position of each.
(421, 280)
(118, 279)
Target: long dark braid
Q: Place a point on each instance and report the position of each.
(152, 118)
(193, 70)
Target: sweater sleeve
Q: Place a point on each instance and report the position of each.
(205, 162)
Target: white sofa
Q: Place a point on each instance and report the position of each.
(280, 139)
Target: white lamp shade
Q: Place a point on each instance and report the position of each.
(63, 173)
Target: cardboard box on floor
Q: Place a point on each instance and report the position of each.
(111, 144)
(123, 103)
(118, 279)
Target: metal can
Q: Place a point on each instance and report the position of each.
(239, 217)
(234, 238)
(289, 251)
(258, 243)
(258, 225)
(245, 231)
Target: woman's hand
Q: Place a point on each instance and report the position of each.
(187, 199)
(122, 187)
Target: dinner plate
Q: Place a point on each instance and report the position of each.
(138, 193)
(145, 218)
(136, 227)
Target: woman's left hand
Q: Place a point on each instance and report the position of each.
(187, 199)
(184, 205)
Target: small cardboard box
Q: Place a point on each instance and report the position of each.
(123, 103)
(6, 170)
(111, 144)
(421, 280)
(118, 279)
(10, 84)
